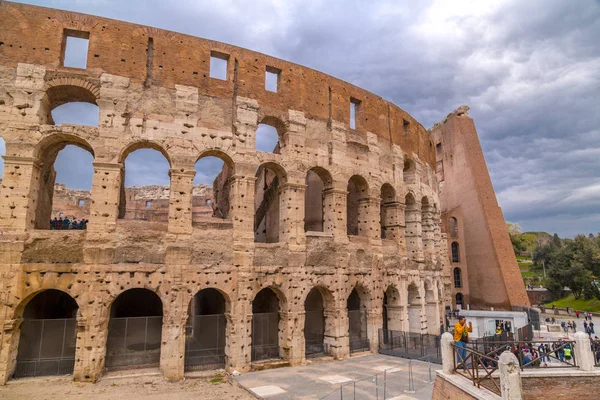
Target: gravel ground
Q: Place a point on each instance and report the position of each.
(211, 387)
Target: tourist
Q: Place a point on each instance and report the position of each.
(577, 314)
(574, 326)
(591, 327)
(567, 351)
(73, 224)
(585, 327)
(461, 338)
(66, 223)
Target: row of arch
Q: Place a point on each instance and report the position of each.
(48, 333)
(271, 176)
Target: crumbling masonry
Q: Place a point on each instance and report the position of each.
(319, 244)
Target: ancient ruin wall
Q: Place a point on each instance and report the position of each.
(466, 193)
(158, 94)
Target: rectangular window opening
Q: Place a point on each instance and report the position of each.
(75, 48)
(272, 79)
(438, 148)
(354, 110)
(148, 204)
(405, 124)
(218, 65)
(81, 202)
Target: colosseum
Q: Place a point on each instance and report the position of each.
(359, 221)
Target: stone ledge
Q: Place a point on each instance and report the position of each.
(467, 386)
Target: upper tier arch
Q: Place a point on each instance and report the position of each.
(180, 59)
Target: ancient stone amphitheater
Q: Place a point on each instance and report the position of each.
(317, 246)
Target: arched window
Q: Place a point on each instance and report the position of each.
(317, 181)
(265, 326)
(453, 227)
(210, 197)
(457, 278)
(455, 253)
(71, 104)
(459, 300)
(358, 189)
(409, 171)
(269, 134)
(65, 178)
(266, 203)
(146, 182)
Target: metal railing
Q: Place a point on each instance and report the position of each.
(313, 350)
(265, 352)
(410, 344)
(477, 367)
(358, 345)
(133, 342)
(532, 354)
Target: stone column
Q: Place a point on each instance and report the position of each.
(295, 340)
(393, 213)
(19, 192)
(447, 353)
(90, 352)
(336, 332)
(9, 348)
(241, 203)
(291, 213)
(368, 218)
(584, 356)
(180, 200)
(374, 323)
(510, 377)
(104, 212)
(172, 351)
(414, 244)
(427, 234)
(335, 214)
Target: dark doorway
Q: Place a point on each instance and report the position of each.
(134, 330)
(314, 324)
(265, 326)
(357, 323)
(48, 336)
(205, 331)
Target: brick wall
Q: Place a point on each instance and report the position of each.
(568, 387)
(444, 390)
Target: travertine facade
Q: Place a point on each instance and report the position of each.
(375, 227)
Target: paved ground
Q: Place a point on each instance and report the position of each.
(356, 374)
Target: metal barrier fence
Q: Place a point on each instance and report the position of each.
(532, 354)
(383, 385)
(478, 367)
(359, 344)
(205, 342)
(133, 342)
(410, 344)
(46, 347)
(265, 336)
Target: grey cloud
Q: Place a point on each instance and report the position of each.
(529, 71)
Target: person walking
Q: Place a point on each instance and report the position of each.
(461, 338)
(591, 327)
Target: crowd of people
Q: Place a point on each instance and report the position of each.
(66, 223)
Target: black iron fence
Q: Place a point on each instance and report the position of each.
(478, 367)
(531, 354)
(133, 342)
(358, 345)
(265, 336)
(46, 347)
(205, 342)
(410, 344)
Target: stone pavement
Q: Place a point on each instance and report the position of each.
(322, 380)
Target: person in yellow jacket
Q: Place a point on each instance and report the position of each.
(461, 338)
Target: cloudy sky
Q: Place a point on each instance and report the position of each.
(529, 70)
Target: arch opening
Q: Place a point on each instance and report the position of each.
(316, 204)
(48, 335)
(358, 191)
(409, 172)
(64, 195)
(453, 227)
(267, 203)
(357, 322)
(71, 104)
(266, 329)
(210, 197)
(146, 184)
(387, 218)
(392, 310)
(455, 252)
(268, 135)
(205, 337)
(314, 324)
(134, 330)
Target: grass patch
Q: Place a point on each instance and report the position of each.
(580, 304)
(216, 379)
